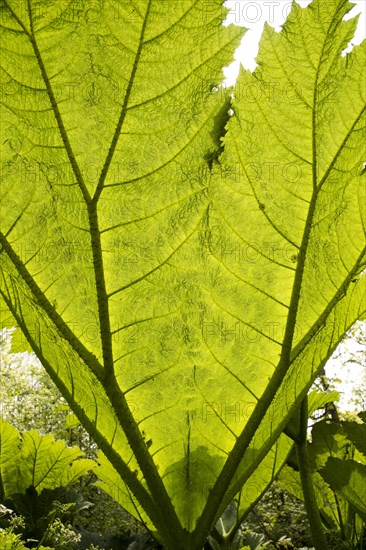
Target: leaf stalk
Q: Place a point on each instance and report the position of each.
(311, 506)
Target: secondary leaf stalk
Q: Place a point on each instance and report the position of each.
(173, 530)
(223, 481)
(311, 506)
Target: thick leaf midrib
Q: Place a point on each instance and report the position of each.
(120, 404)
(234, 488)
(315, 107)
(55, 109)
(124, 109)
(223, 481)
(101, 290)
(111, 398)
(115, 395)
(230, 467)
(85, 355)
(316, 327)
(118, 463)
(341, 292)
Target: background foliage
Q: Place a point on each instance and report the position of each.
(29, 400)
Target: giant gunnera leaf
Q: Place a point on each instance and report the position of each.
(183, 259)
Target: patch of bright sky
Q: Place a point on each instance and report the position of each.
(348, 364)
(252, 15)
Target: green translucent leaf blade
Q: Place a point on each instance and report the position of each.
(182, 280)
(348, 478)
(328, 439)
(286, 196)
(38, 461)
(356, 433)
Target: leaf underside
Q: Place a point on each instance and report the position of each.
(181, 289)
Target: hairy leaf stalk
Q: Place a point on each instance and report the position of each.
(311, 506)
